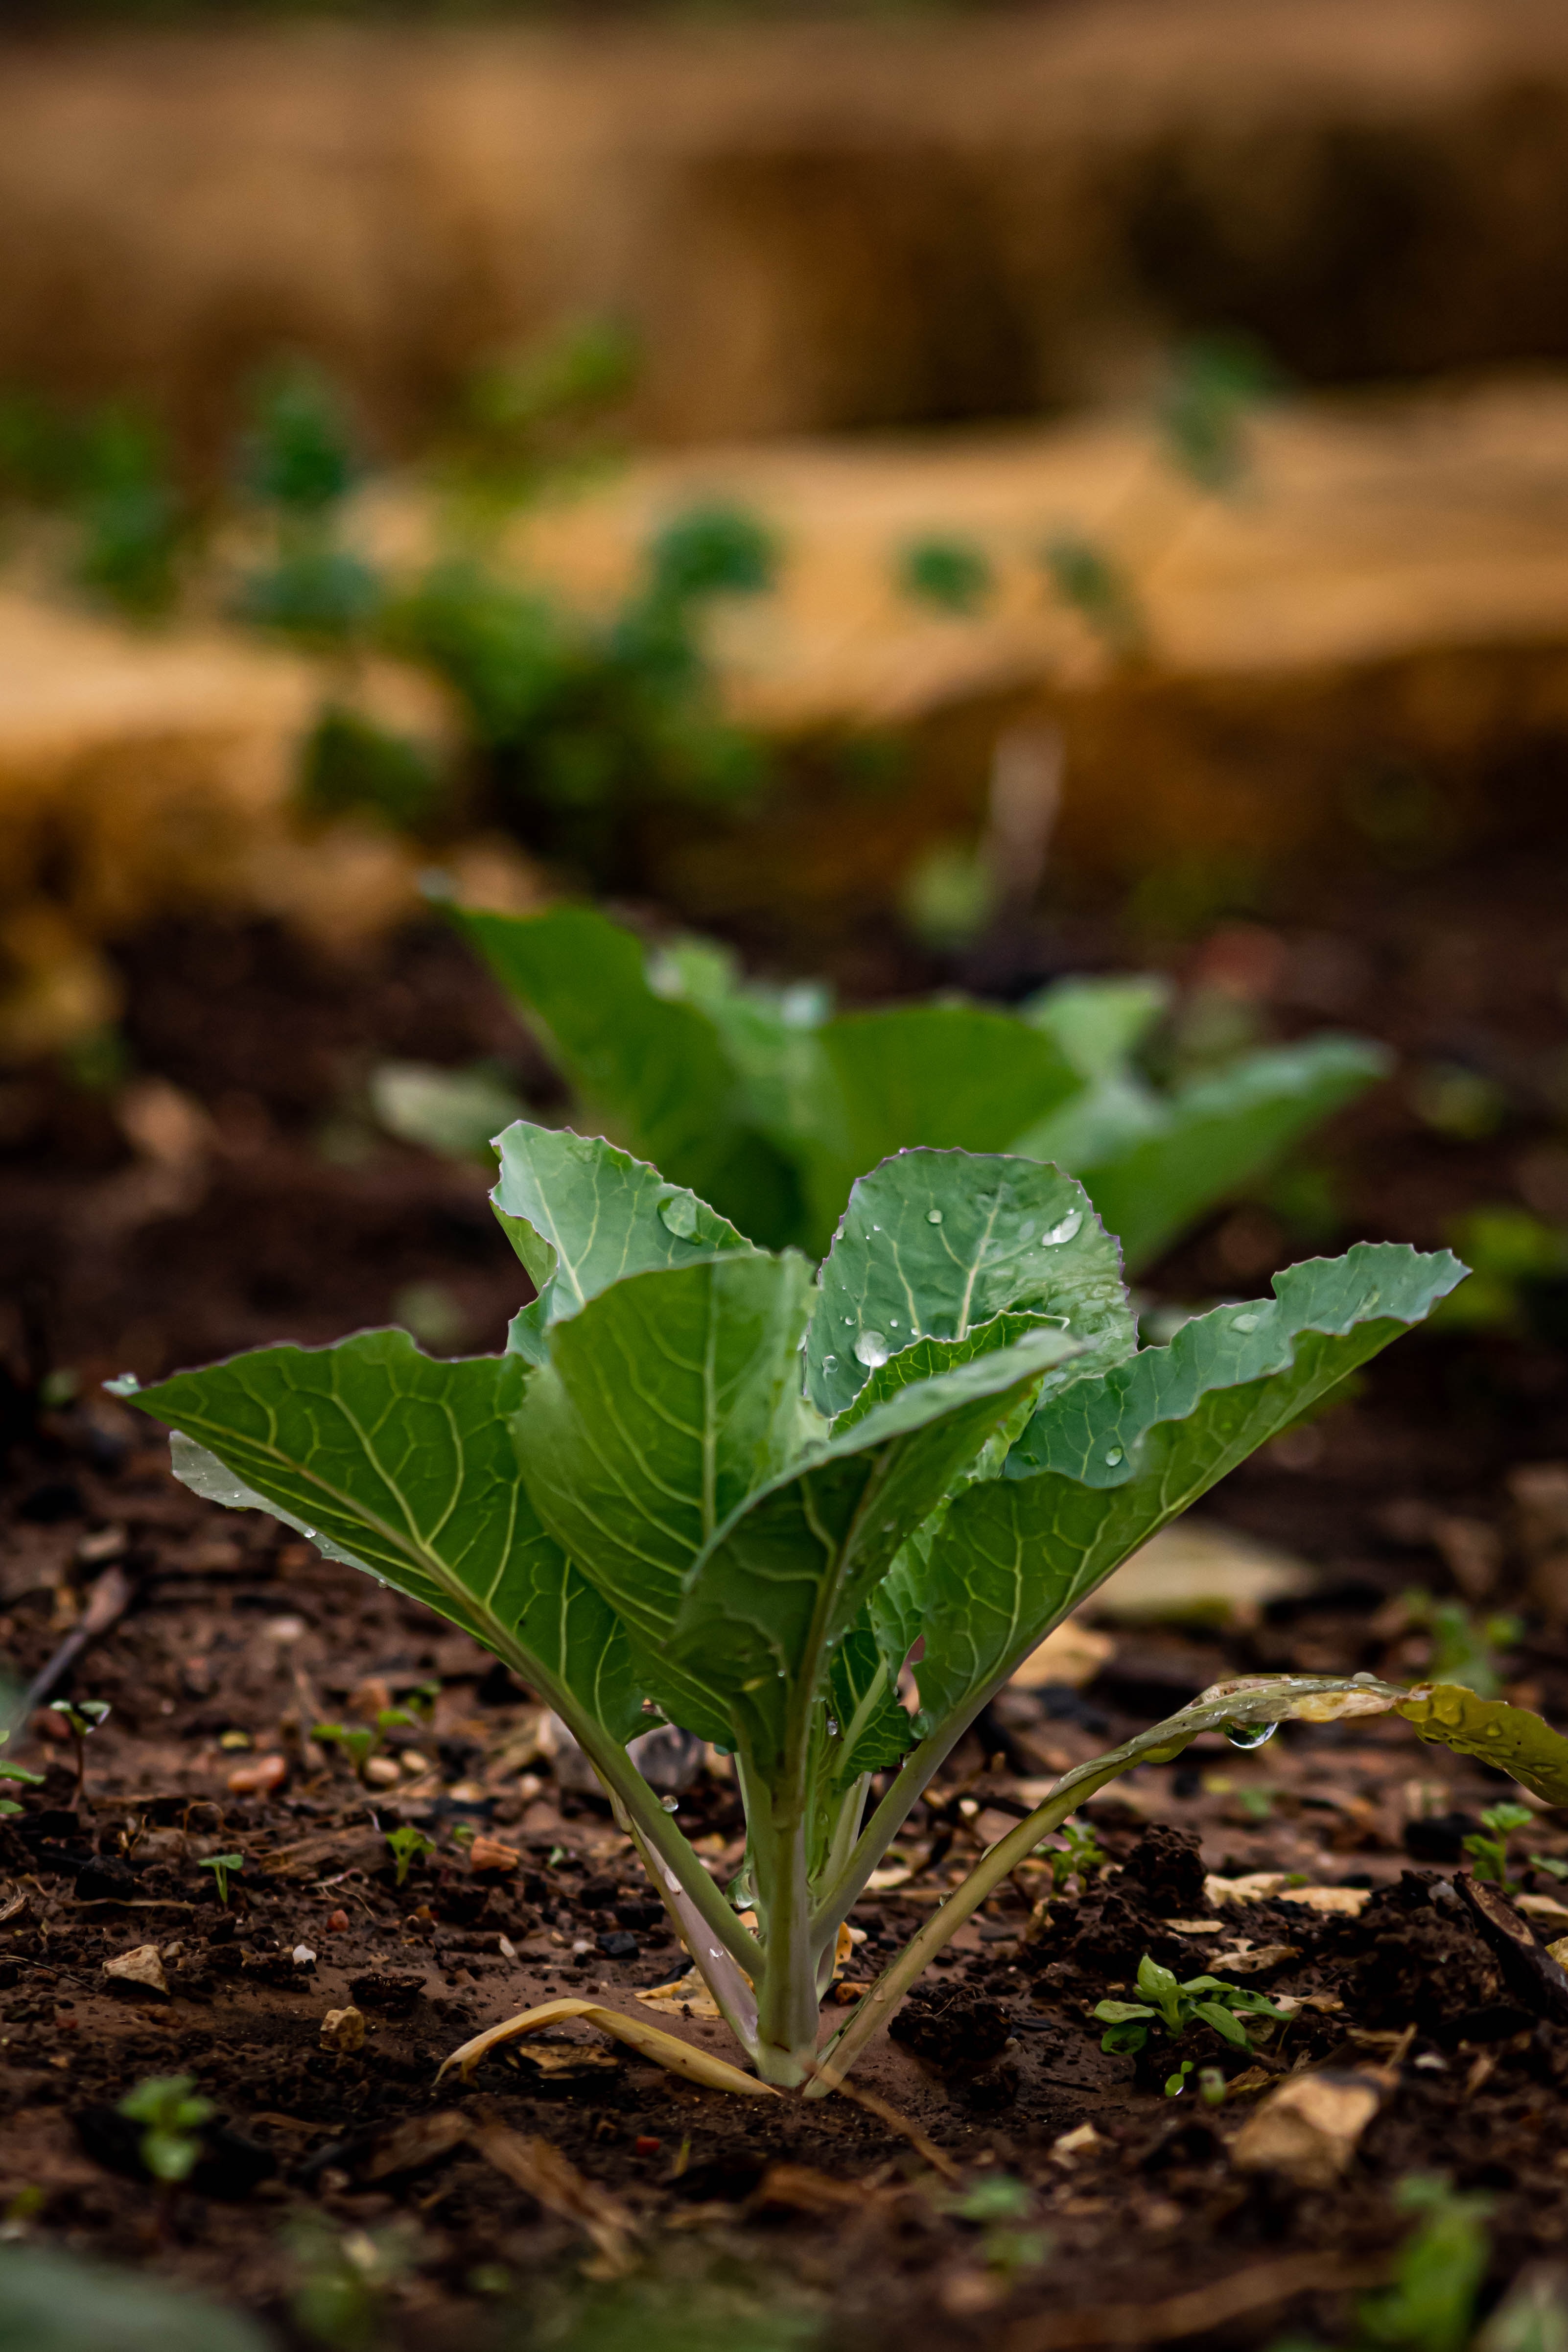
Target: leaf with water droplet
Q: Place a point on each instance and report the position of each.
(901, 1268)
(581, 1214)
(871, 1350)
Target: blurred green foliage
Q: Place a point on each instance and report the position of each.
(954, 574)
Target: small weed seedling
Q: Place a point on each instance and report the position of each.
(1430, 2307)
(1081, 1855)
(1239, 2018)
(84, 1716)
(1488, 1848)
(356, 1742)
(223, 1866)
(344, 2279)
(18, 1772)
(172, 2118)
(1003, 2207)
(407, 1845)
(724, 1489)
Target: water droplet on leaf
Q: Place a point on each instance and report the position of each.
(1113, 1456)
(1250, 1735)
(830, 1364)
(1244, 1322)
(872, 1349)
(679, 1214)
(1055, 1234)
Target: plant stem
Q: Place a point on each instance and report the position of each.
(1263, 1700)
(874, 2008)
(787, 2009)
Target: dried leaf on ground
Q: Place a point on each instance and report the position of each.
(142, 1970)
(1073, 1654)
(1308, 2129)
(680, 2057)
(1205, 1571)
(686, 1996)
(543, 2173)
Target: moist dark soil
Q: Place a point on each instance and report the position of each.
(265, 1204)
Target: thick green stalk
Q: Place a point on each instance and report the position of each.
(786, 2009)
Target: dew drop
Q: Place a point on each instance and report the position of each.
(1055, 1234)
(849, 1318)
(1113, 1456)
(933, 1216)
(1250, 1735)
(894, 1320)
(1244, 1322)
(832, 1728)
(830, 1364)
(870, 1348)
(679, 1214)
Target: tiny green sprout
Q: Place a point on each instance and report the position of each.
(172, 2118)
(14, 1772)
(1488, 1848)
(1256, 1804)
(223, 1866)
(85, 1716)
(1430, 2307)
(1237, 2016)
(1002, 2206)
(1211, 2085)
(1089, 579)
(1547, 1863)
(952, 573)
(1080, 1856)
(344, 2277)
(408, 1845)
(358, 1744)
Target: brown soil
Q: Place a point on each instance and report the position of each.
(237, 1632)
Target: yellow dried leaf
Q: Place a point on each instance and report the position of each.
(664, 2049)
(1513, 1739)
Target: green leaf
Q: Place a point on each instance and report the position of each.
(875, 1734)
(653, 1070)
(1120, 2013)
(1109, 1460)
(1515, 1740)
(1229, 2028)
(958, 1077)
(405, 1467)
(582, 1215)
(929, 1358)
(935, 1243)
(1218, 1134)
(671, 1398)
(782, 1581)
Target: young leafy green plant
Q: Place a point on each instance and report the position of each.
(769, 1104)
(1237, 2016)
(357, 1742)
(9, 1771)
(84, 1716)
(223, 1866)
(1488, 1848)
(703, 1475)
(172, 2117)
(1079, 1856)
(407, 1845)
